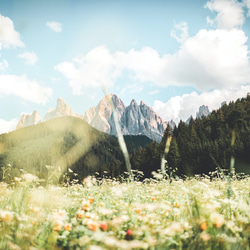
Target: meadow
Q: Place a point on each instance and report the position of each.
(196, 213)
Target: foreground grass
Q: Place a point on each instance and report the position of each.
(191, 214)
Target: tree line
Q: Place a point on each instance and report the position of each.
(202, 145)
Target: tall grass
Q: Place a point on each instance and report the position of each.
(108, 214)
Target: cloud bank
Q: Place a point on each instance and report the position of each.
(181, 107)
(221, 58)
(215, 58)
(22, 87)
(8, 35)
(230, 13)
(210, 59)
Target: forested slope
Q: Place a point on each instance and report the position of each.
(204, 144)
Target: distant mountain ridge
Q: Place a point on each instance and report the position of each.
(29, 120)
(203, 111)
(62, 109)
(134, 119)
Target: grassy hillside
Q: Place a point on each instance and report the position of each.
(63, 143)
(48, 149)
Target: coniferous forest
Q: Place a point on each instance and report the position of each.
(204, 144)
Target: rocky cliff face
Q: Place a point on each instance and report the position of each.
(62, 109)
(101, 116)
(29, 119)
(134, 119)
(203, 111)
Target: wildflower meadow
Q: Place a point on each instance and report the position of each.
(157, 213)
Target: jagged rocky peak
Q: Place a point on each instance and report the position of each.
(133, 103)
(104, 105)
(134, 119)
(118, 103)
(62, 109)
(29, 119)
(89, 114)
(142, 120)
(223, 103)
(189, 119)
(100, 117)
(203, 111)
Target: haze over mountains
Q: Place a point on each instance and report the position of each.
(135, 119)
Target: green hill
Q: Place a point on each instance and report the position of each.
(62, 143)
(67, 142)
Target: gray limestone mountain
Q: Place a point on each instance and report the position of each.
(29, 119)
(62, 109)
(101, 116)
(134, 119)
(203, 111)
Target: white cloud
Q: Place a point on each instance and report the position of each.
(7, 126)
(100, 67)
(210, 59)
(95, 69)
(29, 57)
(21, 86)
(181, 107)
(180, 32)
(8, 35)
(55, 26)
(144, 65)
(230, 13)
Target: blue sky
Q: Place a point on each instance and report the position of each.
(174, 55)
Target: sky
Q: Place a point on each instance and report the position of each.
(173, 55)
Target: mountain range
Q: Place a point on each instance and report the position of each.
(134, 119)
(62, 109)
